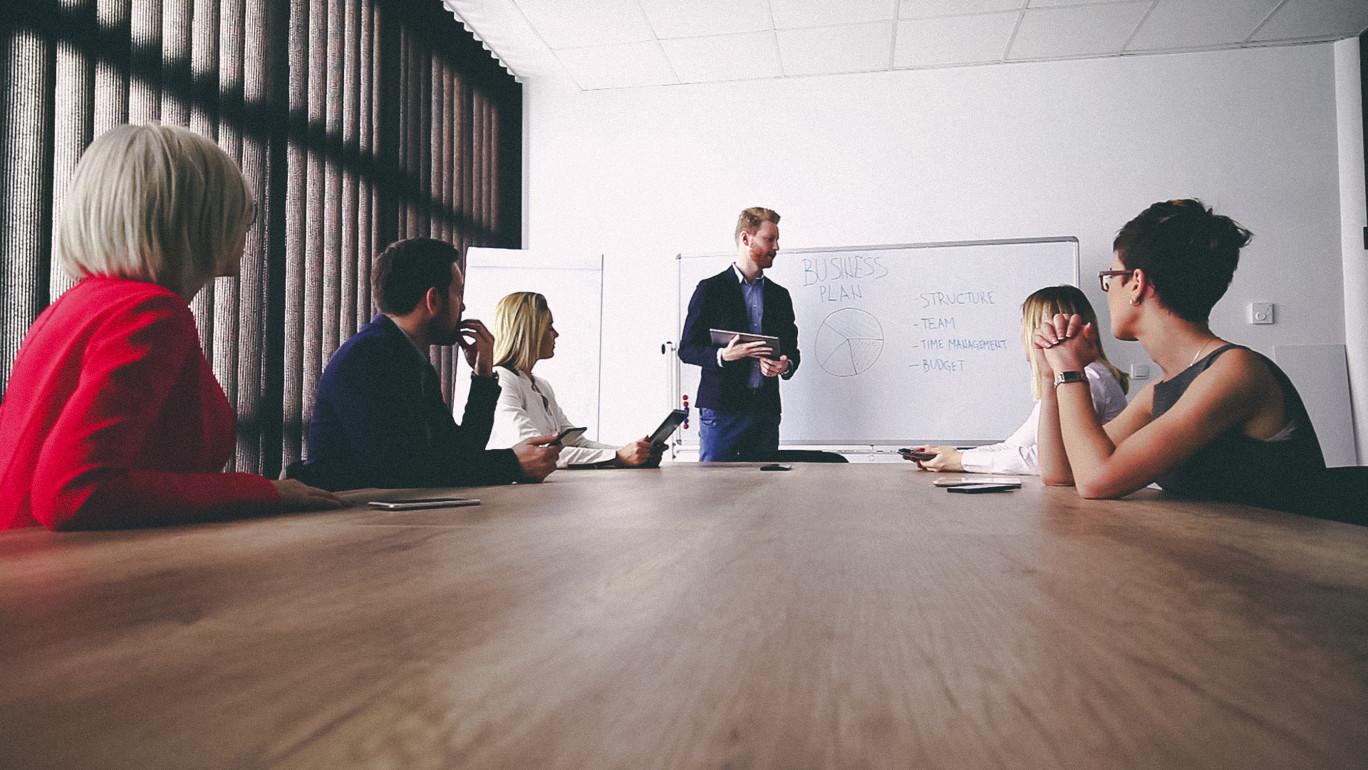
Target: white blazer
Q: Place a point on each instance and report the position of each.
(527, 407)
(1020, 453)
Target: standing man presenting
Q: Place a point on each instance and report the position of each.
(380, 420)
(738, 394)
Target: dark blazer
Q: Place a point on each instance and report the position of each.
(719, 304)
(380, 421)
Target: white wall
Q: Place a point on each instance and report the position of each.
(1005, 151)
(1353, 221)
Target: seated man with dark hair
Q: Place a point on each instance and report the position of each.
(380, 420)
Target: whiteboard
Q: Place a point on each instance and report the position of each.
(573, 287)
(902, 344)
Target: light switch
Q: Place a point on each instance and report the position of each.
(1261, 312)
(1139, 371)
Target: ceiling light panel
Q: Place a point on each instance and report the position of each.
(724, 57)
(1064, 3)
(954, 40)
(832, 50)
(581, 23)
(1176, 24)
(625, 65)
(672, 18)
(1088, 30)
(789, 14)
(927, 9)
(1315, 20)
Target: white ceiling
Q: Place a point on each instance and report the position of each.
(602, 44)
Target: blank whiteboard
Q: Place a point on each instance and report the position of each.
(573, 287)
(903, 344)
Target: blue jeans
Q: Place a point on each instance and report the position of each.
(736, 436)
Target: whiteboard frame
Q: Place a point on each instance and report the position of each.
(681, 307)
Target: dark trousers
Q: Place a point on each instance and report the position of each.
(736, 436)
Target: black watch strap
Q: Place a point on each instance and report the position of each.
(1063, 377)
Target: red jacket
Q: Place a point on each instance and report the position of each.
(113, 418)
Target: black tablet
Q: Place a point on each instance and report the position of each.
(723, 337)
(667, 428)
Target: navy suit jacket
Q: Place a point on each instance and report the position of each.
(380, 421)
(719, 304)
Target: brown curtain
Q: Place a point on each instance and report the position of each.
(356, 122)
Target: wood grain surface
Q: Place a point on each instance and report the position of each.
(843, 616)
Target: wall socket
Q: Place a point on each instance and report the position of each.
(1261, 312)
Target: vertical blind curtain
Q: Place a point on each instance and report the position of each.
(356, 123)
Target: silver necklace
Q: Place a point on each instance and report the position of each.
(1199, 352)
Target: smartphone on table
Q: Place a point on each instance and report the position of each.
(428, 502)
(967, 481)
(974, 489)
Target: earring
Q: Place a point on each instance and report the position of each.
(1135, 301)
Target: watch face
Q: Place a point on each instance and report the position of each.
(1063, 377)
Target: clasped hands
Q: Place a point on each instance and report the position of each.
(1064, 344)
(770, 367)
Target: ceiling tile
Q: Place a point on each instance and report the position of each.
(724, 57)
(927, 9)
(1199, 23)
(528, 35)
(624, 65)
(1087, 30)
(1316, 19)
(830, 50)
(953, 40)
(672, 18)
(1062, 3)
(503, 29)
(580, 23)
(789, 14)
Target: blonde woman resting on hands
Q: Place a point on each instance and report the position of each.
(1019, 453)
(525, 333)
(1223, 422)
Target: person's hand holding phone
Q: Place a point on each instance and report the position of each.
(478, 345)
(537, 456)
(942, 459)
(640, 454)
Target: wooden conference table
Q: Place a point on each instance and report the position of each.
(696, 616)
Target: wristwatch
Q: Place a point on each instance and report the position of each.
(1063, 377)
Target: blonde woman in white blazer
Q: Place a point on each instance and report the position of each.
(525, 333)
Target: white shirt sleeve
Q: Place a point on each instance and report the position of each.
(1020, 453)
(522, 413)
(1107, 397)
(1017, 455)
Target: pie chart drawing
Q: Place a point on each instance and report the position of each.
(849, 341)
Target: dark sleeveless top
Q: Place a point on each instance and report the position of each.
(1276, 473)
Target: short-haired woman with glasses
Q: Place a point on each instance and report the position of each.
(1223, 422)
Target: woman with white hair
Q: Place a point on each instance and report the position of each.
(525, 333)
(113, 417)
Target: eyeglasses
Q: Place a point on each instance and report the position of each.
(1105, 277)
